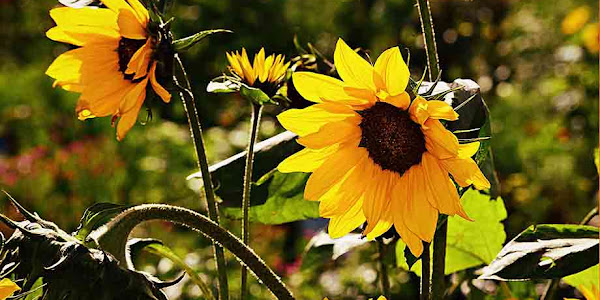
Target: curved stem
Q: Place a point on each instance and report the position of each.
(425, 273)
(189, 105)
(385, 281)
(254, 125)
(114, 238)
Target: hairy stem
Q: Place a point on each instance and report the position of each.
(438, 280)
(425, 273)
(429, 38)
(189, 105)
(552, 284)
(383, 274)
(254, 125)
(113, 238)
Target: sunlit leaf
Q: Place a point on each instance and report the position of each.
(255, 95)
(545, 252)
(588, 279)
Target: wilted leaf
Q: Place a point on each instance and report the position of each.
(469, 243)
(285, 201)
(545, 252)
(95, 216)
(225, 86)
(187, 42)
(156, 247)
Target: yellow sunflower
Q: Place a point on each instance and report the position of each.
(266, 73)
(113, 62)
(375, 154)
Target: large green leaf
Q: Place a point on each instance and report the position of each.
(545, 252)
(285, 201)
(469, 243)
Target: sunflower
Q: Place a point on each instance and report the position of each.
(375, 154)
(113, 62)
(265, 74)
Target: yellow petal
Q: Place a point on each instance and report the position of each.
(352, 68)
(259, 64)
(468, 150)
(331, 133)
(128, 118)
(160, 91)
(350, 220)
(82, 35)
(439, 141)
(247, 69)
(345, 193)
(69, 67)
(7, 288)
(444, 196)
(419, 215)
(393, 70)
(399, 196)
(85, 16)
(140, 11)
(129, 25)
(421, 110)
(140, 61)
(235, 64)
(332, 171)
(465, 172)
(306, 160)
(101, 105)
(376, 197)
(401, 101)
(116, 5)
(386, 219)
(267, 69)
(311, 119)
(317, 87)
(131, 99)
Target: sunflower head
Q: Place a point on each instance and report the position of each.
(265, 73)
(378, 153)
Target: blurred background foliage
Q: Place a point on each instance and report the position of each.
(536, 62)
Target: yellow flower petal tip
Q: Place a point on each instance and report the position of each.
(107, 80)
(7, 288)
(264, 72)
(376, 155)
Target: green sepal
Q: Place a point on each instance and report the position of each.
(255, 95)
(186, 43)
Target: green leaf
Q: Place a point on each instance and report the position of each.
(187, 42)
(222, 85)
(469, 243)
(597, 159)
(255, 95)
(474, 243)
(546, 252)
(156, 247)
(95, 216)
(285, 201)
(586, 279)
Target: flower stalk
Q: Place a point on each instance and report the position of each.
(254, 126)
(189, 105)
(439, 240)
(385, 281)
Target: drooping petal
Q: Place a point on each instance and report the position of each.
(345, 193)
(421, 110)
(468, 150)
(444, 196)
(352, 68)
(102, 105)
(129, 25)
(439, 141)
(393, 70)
(131, 99)
(397, 206)
(350, 220)
(159, 89)
(383, 219)
(376, 197)
(332, 171)
(465, 172)
(311, 119)
(419, 215)
(140, 61)
(331, 133)
(127, 118)
(317, 87)
(306, 160)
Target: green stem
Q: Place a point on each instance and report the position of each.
(254, 125)
(552, 284)
(439, 240)
(385, 281)
(429, 38)
(189, 105)
(425, 273)
(113, 238)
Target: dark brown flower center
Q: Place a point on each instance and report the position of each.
(393, 140)
(127, 47)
